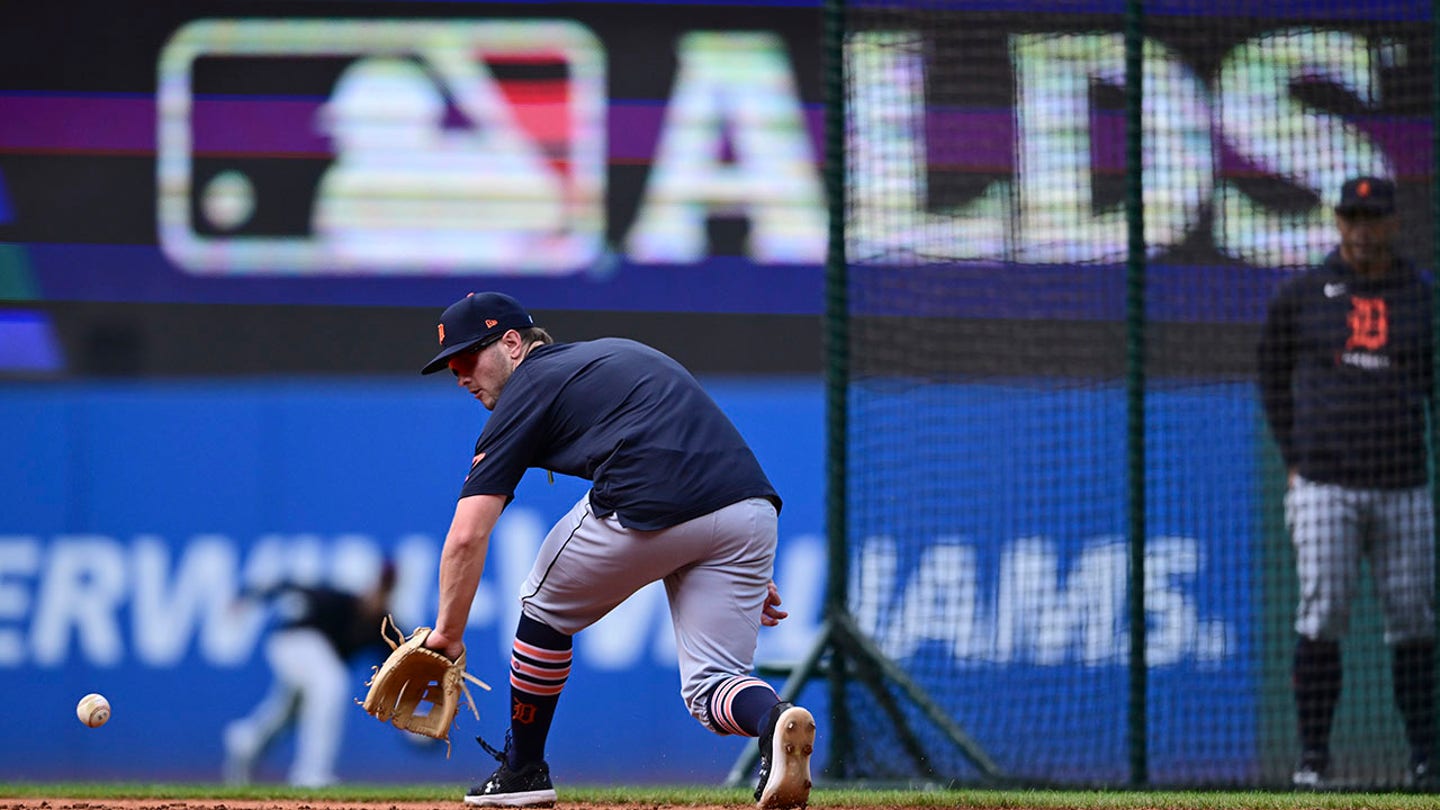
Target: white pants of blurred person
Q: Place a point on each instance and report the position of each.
(311, 689)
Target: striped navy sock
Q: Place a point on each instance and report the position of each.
(539, 665)
(739, 705)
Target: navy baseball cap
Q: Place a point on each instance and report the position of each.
(476, 318)
(1373, 196)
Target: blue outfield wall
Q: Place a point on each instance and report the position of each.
(130, 513)
(1000, 570)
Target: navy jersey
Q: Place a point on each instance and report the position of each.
(1345, 375)
(626, 417)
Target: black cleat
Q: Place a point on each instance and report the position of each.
(1313, 772)
(1422, 772)
(785, 747)
(530, 786)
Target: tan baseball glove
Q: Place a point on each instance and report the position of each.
(418, 689)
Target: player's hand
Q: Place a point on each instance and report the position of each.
(442, 643)
(772, 614)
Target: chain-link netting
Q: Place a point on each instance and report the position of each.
(989, 402)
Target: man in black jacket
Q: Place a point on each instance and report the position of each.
(321, 631)
(1345, 364)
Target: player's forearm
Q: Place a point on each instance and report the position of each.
(462, 561)
(461, 564)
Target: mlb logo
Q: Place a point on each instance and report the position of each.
(381, 147)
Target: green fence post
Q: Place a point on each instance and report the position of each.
(837, 363)
(1135, 382)
(1434, 259)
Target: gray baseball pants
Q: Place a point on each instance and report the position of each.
(715, 569)
(1333, 528)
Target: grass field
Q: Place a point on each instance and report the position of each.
(97, 796)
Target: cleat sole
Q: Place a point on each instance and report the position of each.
(789, 783)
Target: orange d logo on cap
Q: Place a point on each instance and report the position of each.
(473, 320)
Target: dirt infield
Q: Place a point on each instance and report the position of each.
(301, 804)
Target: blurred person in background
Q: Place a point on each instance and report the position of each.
(321, 632)
(1345, 373)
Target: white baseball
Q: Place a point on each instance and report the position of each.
(93, 710)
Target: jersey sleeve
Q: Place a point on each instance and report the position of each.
(509, 444)
(1275, 360)
(1427, 350)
